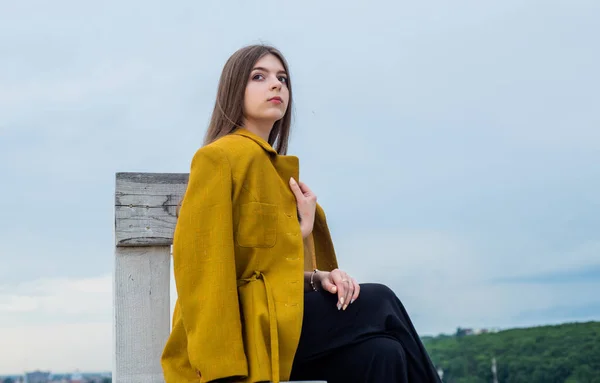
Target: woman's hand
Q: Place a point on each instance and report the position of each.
(306, 201)
(341, 283)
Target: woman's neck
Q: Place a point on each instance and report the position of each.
(260, 128)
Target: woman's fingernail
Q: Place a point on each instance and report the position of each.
(345, 307)
(342, 300)
(339, 306)
(351, 301)
(292, 180)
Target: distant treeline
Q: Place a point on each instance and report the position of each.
(548, 354)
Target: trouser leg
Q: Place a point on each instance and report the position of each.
(375, 360)
(377, 313)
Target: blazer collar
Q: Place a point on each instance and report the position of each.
(259, 140)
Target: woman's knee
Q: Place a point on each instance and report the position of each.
(389, 348)
(377, 290)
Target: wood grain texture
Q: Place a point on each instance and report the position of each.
(146, 207)
(141, 313)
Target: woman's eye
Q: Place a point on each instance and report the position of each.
(283, 79)
(258, 77)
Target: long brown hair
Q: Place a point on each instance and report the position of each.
(228, 113)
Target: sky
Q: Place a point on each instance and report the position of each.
(455, 147)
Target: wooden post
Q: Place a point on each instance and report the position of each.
(145, 218)
(145, 206)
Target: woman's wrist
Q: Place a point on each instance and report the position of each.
(305, 231)
(315, 280)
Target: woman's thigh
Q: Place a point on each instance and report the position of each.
(377, 313)
(325, 328)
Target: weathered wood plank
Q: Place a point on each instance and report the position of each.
(151, 183)
(141, 313)
(146, 207)
(145, 226)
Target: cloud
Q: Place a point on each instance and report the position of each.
(446, 279)
(58, 324)
(56, 299)
(563, 313)
(591, 273)
(56, 347)
(100, 80)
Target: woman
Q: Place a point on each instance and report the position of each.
(260, 297)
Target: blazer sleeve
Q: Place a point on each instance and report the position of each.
(205, 271)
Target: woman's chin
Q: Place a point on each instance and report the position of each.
(273, 116)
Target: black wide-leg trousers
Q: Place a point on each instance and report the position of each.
(372, 341)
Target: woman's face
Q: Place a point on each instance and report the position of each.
(267, 95)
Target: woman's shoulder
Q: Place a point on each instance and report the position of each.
(232, 144)
(233, 148)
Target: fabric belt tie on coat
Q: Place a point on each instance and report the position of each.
(272, 321)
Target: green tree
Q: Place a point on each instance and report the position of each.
(547, 354)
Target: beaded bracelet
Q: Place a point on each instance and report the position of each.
(312, 283)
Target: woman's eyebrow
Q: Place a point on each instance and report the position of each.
(266, 70)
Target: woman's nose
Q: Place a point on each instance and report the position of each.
(276, 84)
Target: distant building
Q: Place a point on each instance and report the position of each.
(76, 378)
(471, 331)
(37, 377)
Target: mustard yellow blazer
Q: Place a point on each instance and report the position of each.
(239, 262)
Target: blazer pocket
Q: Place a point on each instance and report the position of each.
(257, 226)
